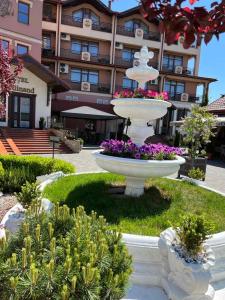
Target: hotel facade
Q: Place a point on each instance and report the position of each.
(89, 47)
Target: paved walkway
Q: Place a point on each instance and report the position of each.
(84, 162)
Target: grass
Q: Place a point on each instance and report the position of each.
(163, 204)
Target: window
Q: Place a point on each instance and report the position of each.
(170, 62)
(129, 83)
(128, 55)
(82, 46)
(78, 75)
(174, 88)
(23, 12)
(132, 25)
(81, 14)
(21, 49)
(46, 42)
(5, 45)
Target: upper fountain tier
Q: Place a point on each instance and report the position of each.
(143, 73)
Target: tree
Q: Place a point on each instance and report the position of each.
(194, 23)
(9, 70)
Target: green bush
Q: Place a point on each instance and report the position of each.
(1, 170)
(196, 173)
(13, 178)
(37, 165)
(193, 231)
(63, 255)
(29, 192)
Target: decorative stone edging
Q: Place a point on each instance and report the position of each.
(147, 260)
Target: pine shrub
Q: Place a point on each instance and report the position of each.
(63, 255)
(29, 192)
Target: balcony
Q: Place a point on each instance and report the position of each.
(49, 18)
(149, 86)
(99, 59)
(99, 88)
(120, 62)
(178, 97)
(101, 26)
(152, 36)
(48, 53)
(183, 71)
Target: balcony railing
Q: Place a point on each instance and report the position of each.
(100, 58)
(94, 88)
(78, 22)
(149, 86)
(119, 61)
(177, 97)
(48, 53)
(185, 71)
(153, 36)
(49, 18)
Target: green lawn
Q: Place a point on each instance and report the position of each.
(164, 202)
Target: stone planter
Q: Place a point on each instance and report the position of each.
(182, 280)
(74, 145)
(59, 133)
(193, 181)
(199, 162)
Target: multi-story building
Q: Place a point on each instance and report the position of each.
(90, 46)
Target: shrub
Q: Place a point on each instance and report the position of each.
(37, 165)
(13, 178)
(192, 232)
(196, 173)
(1, 170)
(29, 192)
(63, 255)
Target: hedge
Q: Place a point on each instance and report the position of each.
(37, 165)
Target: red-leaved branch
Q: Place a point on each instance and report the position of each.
(194, 23)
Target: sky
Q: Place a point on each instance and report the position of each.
(212, 63)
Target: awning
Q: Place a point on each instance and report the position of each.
(86, 112)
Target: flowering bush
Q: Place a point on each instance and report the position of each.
(144, 152)
(141, 93)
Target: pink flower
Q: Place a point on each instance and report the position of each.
(141, 93)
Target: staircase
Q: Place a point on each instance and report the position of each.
(27, 141)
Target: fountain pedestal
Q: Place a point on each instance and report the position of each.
(135, 186)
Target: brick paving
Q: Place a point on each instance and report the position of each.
(84, 162)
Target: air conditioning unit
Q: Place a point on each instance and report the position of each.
(87, 23)
(86, 56)
(119, 46)
(181, 39)
(184, 97)
(64, 68)
(139, 33)
(65, 36)
(136, 62)
(85, 86)
(179, 70)
(154, 82)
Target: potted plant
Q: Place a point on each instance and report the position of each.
(42, 123)
(73, 143)
(196, 130)
(187, 260)
(195, 176)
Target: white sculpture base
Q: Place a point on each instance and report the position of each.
(134, 186)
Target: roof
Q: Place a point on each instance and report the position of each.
(218, 104)
(58, 85)
(96, 3)
(86, 112)
(200, 78)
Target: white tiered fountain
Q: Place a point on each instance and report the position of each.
(140, 112)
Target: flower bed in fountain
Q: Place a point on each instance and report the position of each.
(142, 94)
(145, 152)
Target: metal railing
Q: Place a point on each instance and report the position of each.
(78, 22)
(48, 53)
(191, 98)
(49, 18)
(185, 71)
(94, 88)
(153, 36)
(100, 58)
(119, 61)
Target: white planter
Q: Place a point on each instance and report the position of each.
(182, 280)
(140, 112)
(193, 181)
(136, 170)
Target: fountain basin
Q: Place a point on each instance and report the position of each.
(140, 109)
(137, 170)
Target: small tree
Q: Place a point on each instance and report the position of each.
(10, 67)
(197, 130)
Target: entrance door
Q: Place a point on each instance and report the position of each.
(22, 115)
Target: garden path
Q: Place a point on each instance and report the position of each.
(84, 162)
